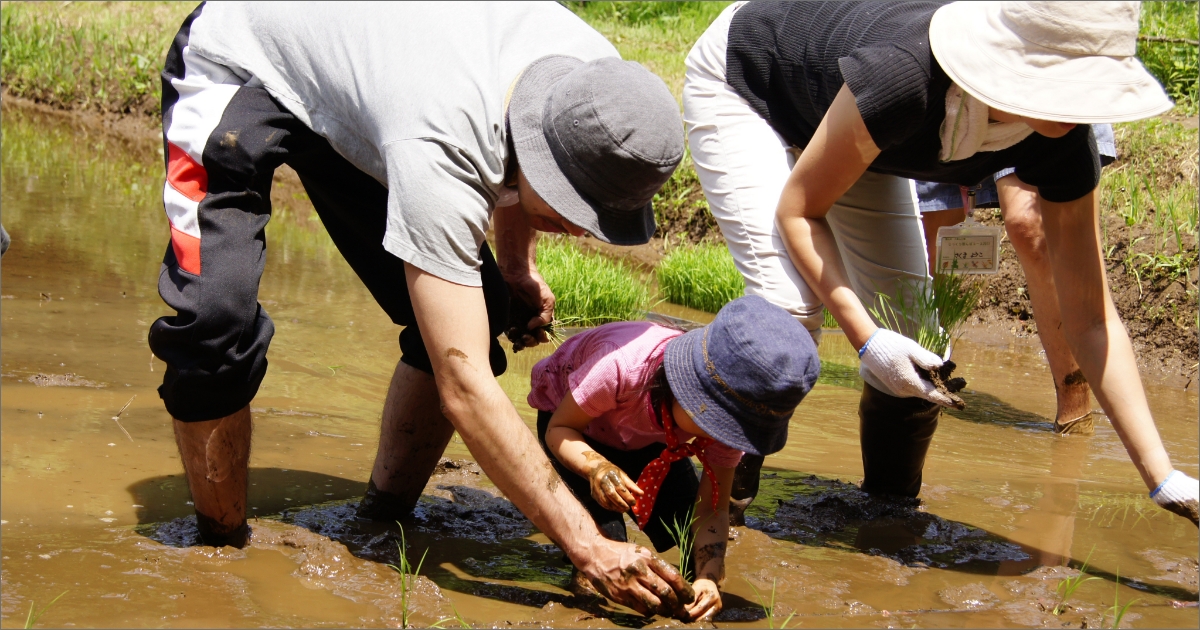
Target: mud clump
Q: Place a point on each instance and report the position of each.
(62, 380)
(838, 514)
(973, 596)
(1174, 567)
(940, 377)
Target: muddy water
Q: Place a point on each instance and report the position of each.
(96, 507)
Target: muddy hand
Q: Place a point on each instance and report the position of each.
(707, 603)
(893, 359)
(1180, 494)
(611, 487)
(630, 575)
(530, 310)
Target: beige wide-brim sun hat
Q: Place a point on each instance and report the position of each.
(1062, 61)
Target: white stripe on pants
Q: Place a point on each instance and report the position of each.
(743, 165)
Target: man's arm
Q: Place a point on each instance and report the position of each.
(516, 255)
(453, 321)
(1095, 333)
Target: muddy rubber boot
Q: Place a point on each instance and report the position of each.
(895, 435)
(1083, 425)
(378, 505)
(745, 487)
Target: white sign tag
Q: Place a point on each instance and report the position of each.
(969, 247)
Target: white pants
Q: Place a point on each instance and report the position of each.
(743, 165)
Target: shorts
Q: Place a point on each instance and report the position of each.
(223, 138)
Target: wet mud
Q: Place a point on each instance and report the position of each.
(100, 509)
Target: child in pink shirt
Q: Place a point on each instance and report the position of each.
(610, 398)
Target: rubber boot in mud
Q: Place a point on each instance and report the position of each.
(378, 505)
(745, 487)
(1083, 425)
(895, 435)
(213, 534)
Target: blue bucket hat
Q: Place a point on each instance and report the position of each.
(742, 376)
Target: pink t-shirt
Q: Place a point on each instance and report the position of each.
(606, 369)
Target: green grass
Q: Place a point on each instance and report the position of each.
(590, 288)
(1173, 61)
(1066, 588)
(683, 534)
(769, 609)
(700, 276)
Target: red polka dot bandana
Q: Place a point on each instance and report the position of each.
(651, 479)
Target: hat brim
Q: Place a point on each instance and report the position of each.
(525, 110)
(996, 66)
(683, 359)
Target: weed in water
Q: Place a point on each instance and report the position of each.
(1067, 587)
(936, 310)
(700, 276)
(590, 289)
(32, 618)
(1117, 610)
(769, 610)
(408, 575)
(462, 623)
(683, 534)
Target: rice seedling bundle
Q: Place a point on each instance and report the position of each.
(590, 289)
(700, 276)
(931, 314)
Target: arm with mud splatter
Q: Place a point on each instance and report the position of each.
(611, 487)
(711, 530)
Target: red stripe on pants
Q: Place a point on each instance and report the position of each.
(185, 174)
(187, 251)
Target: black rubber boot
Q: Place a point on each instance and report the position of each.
(745, 487)
(895, 435)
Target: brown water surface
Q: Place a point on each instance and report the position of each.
(97, 508)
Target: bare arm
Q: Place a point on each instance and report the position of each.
(839, 153)
(610, 486)
(516, 255)
(712, 536)
(1095, 334)
(453, 321)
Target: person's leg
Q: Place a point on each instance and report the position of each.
(879, 232)
(221, 145)
(413, 430)
(1023, 222)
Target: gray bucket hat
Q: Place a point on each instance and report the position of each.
(596, 140)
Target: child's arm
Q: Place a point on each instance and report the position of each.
(712, 534)
(611, 487)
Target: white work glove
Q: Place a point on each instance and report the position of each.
(1180, 494)
(887, 360)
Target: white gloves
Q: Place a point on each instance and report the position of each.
(887, 365)
(1180, 494)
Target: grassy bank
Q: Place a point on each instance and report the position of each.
(591, 289)
(700, 276)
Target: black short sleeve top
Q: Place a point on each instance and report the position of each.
(790, 59)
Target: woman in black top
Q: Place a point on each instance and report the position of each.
(804, 118)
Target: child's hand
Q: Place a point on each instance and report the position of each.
(611, 487)
(707, 603)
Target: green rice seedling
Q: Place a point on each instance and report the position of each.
(32, 618)
(1067, 587)
(590, 289)
(683, 534)
(700, 276)
(408, 575)
(769, 609)
(937, 310)
(441, 623)
(829, 321)
(1117, 610)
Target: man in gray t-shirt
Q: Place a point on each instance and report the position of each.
(413, 127)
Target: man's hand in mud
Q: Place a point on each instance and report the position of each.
(707, 603)
(531, 308)
(630, 575)
(611, 487)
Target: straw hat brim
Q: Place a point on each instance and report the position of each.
(985, 58)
